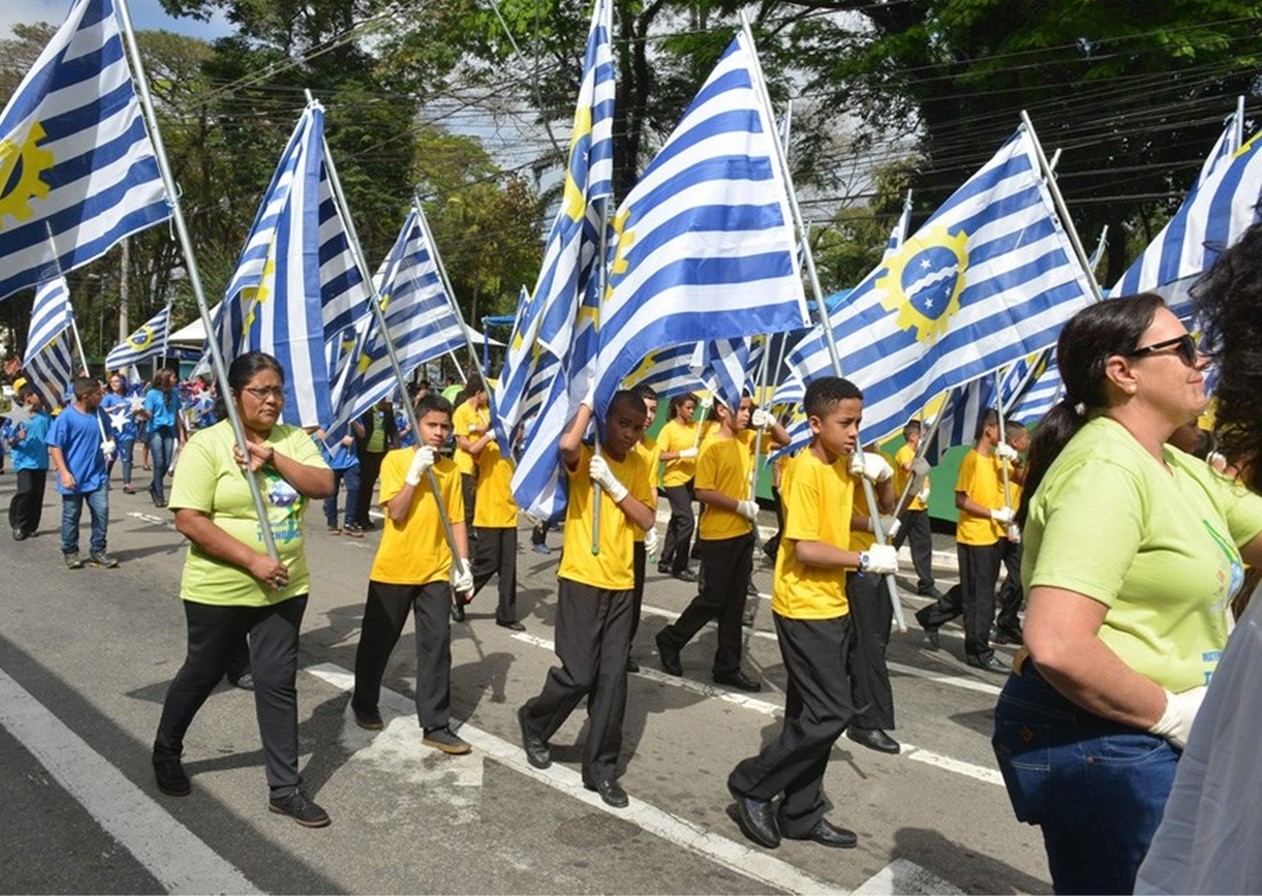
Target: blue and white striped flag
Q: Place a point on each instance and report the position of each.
(47, 361)
(989, 278)
(1214, 214)
(147, 342)
(670, 371)
(705, 245)
(1043, 393)
(902, 228)
(421, 322)
(967, 405)
(727, 367)
(77, 170)
(296, 285)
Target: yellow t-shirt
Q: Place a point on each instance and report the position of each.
(979, 479)
(460, 421)
(903, 456)
(649, 449)
(495, 507)
(676, 436)
(414, 551)
(207, 479)
(612, 568)
(724, 466)
(818, 503)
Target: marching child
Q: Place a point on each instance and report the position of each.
(495, 528)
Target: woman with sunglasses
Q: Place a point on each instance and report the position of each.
(232, 588)
(1133, 551)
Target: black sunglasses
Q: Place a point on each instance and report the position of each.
(1184, 346)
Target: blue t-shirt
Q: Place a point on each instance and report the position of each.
(162, 409)
(78, 436)
(118, 409)
(408, 439)
(32, 452)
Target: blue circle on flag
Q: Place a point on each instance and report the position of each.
(929, 280)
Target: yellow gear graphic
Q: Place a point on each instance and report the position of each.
(142, 338)
(16, 196)
(927, 252)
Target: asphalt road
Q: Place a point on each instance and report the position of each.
(86, 656)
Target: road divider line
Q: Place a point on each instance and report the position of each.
(907, 879)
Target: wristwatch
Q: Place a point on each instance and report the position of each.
(864, 560)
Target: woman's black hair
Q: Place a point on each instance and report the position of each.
(243, 369)
(1229, 305)
(677, 402)
(1089, 339)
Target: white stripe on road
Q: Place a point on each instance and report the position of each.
(179, 860)
(742, 859)
(907, 879)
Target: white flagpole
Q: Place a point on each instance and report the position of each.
(603, 282)
(921, 450)
(190, 264)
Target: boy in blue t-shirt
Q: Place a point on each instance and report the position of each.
(79, 452)
(27, 440)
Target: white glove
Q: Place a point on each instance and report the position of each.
(107, 448)
(461, 576)
(1175, 723)
(887, 523)
(1002, 515)
(891, 532)
(1014, 533)
(474, 429)
(688, 454)
(872, 467)
(421, 461)
(604, 477)
(651, 542)
(748, 509)
(707, 403)
(880, 559)
(1004, 451)
(761, 419)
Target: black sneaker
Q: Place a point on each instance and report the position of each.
(169, 773)
(300, 809)
(102, 559)
(444, 739)
(73, 560)
(19, 535)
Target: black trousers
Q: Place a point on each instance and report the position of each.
(495, 553)
(913, 527)
(871, 614)
(640, 566)
(678, 540)
(369, 471)
(772, 545)
(727, 565)
(384, 616)
(974, 597)
(214, 633)
(1010, 594)
(27, 504)
(817, 709)
(469, 491)
(593, 640)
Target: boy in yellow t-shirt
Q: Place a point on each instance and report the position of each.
(495, 525)
(813, 623)
(726, 542)
(414, 570)
(471, 421)
(982, 525)
(677, 445)
(646, 544)
(595, 594)
(913, 522)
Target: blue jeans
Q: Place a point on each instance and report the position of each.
(72, 510)
(161, 449)
(350, 476)
(1095, 787)
(122, 452)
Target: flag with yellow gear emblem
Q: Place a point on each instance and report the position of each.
(147, 342)
(77, 169)
(991, 277)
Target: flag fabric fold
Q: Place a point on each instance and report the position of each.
(47, 361)
(146, 342)
(964, 409)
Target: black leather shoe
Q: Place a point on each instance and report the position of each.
(632, 665)
(738, 680)
(457, 611)
(686, 575)
(756, 819)
(169, 773)
(511, 626)
(663, 569)
(990, 664)
(873, 739)
(828, 834)
(537, 752)
(611, 792)
(368, 719)
(669, 656)
(932, 640)
(1008, 637)
(300, 809)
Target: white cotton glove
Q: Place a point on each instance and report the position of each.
(1004, 451)
(761, 419)
(604, 477)
(688, 454)
(474, 429)
(651, 542)
(748, 509)
(707, 403)
(461, 576)
(871, 466)
(887, 523)
(107, 448)
(880, 559)
(1175, 723)
(891, 531)
(1002, 515)
(421, 461)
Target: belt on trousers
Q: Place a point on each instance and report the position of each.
(1022, 663)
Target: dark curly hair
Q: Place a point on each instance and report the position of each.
(1229, 304)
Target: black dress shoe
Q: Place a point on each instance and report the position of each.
(457, 611)
(632, 665)
(828, 834)
(170, 776)
(738, 680)
(756, 819)
(611, 792)
(537, 752)
(873, 739)
(300, 809)
(512, 626)
(368, 719)
(686, 575)
(932, 640)
(1007, 637)
(990, 664)
(663, 569)
(669, 656)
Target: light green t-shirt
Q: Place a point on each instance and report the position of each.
(1157, 547)
(208, 479)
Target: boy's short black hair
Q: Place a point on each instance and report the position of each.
(824, 393)
(26, 391)
(85, 386)
(474, 385)
(432, 402)
(990, 418)
(645, 391)
(629, 398)
(912, 425)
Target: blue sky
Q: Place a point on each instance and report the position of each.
(145, 14)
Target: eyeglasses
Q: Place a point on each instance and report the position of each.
(262, 394)
(1184, 346)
